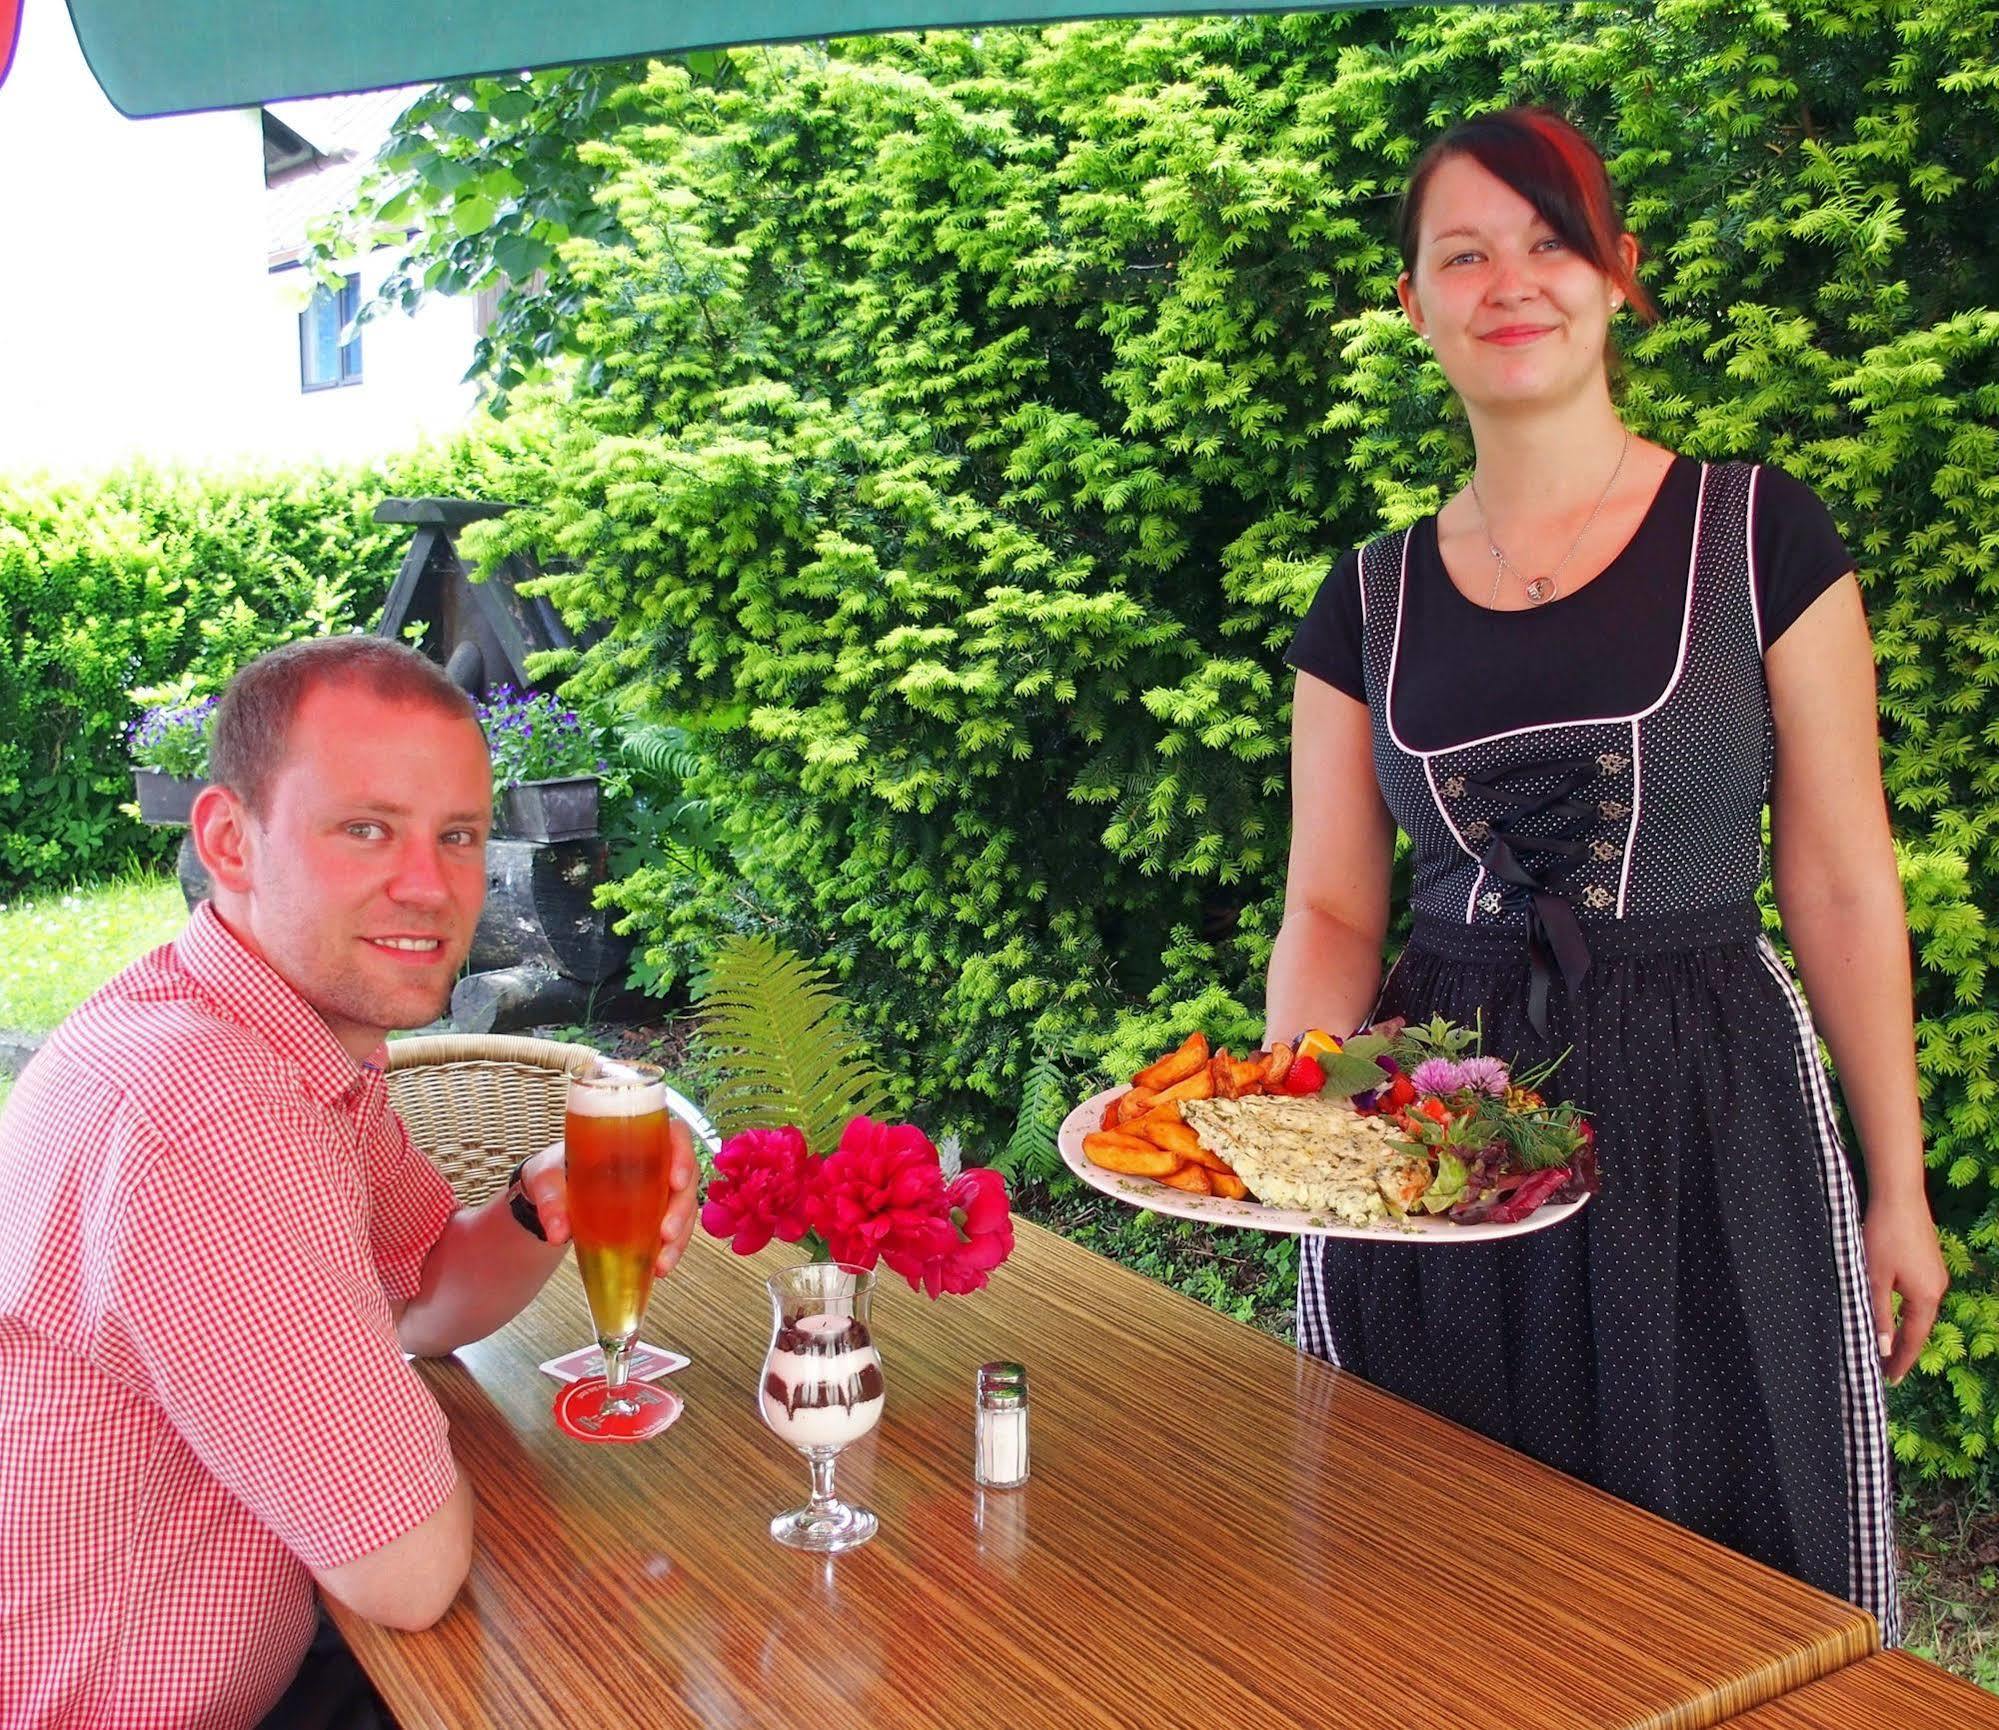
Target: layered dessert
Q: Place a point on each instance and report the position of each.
(822, 1384)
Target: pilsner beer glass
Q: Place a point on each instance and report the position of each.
(619, 1159)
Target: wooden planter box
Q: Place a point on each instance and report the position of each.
(550, 810)
(165, 798)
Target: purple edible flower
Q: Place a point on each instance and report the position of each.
(1437, 1075)
(1484, 1075)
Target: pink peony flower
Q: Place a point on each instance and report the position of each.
(981, 1237)
(759, 1190)
(880, 1194)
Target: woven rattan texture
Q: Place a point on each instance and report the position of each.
(479, 1106)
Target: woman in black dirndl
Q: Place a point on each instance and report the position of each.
(1575, 689)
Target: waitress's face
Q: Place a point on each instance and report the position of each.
(1515, 317)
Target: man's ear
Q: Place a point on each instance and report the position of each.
(1412, 308)
(221, 830)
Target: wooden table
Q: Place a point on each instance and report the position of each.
(1217, 1532)
(1890, 1691)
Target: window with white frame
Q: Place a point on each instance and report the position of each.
(324, 361)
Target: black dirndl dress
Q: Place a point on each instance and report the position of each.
(1698, 1339)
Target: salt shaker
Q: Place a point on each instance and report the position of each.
(999, 1459)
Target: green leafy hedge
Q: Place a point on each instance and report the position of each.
(963, 422)
(147, 575)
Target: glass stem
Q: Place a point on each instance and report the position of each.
(822, 1482)
(617, 1366)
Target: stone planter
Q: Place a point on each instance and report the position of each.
(165, 798)
(550, 810)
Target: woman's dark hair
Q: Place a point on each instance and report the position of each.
(1551, 165)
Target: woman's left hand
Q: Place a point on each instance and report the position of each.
(1903, 1257)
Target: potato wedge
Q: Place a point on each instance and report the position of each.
(1115, 1151)
(1164, 1129)
(1127, 1106)
(1221, 1075)
(1277, 1063)
(1246, 1076)
(1191, 1178)
(1175, 1065)
(1228, 1184)
(1212, 1162)
(1199, 1085)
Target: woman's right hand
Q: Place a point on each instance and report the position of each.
(1903, 1259)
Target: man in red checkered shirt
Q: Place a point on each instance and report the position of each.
(217, 1243)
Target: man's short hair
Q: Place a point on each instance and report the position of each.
(253, 721)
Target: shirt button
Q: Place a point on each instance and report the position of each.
(1614, 809)
(1478, 830)
(1488, 902)
(1454, 787)
(1603, 851)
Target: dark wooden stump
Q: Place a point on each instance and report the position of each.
(193, 875)
(541, 911)
(510, 998)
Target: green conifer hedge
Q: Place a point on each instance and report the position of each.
(962, 423)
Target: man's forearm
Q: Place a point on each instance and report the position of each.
(479, 1274)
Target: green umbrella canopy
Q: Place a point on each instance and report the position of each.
(153, 58)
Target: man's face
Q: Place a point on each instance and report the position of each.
(365, 875)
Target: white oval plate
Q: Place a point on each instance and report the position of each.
(1219, 1210)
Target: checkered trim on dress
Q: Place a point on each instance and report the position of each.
(1315, 1327)
(1863, 1406)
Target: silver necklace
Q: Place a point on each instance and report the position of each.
(1541, 590)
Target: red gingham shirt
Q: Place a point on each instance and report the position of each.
(206, 1210)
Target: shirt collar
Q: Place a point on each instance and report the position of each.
(247, 990)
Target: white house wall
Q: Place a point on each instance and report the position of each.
(137, 314)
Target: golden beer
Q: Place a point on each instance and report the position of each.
(619, 1158)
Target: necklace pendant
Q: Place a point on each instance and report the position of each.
(1542, 590)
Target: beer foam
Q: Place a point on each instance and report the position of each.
(621, 1091)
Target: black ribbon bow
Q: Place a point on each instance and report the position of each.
(1554, 934)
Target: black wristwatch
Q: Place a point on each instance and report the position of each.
(521, 1205)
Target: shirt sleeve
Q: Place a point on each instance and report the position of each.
(1799, 551)
(1328, 641)
(237, 1290)
(409, 1204)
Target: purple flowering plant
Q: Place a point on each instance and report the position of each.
(172, 738)
(537, 737)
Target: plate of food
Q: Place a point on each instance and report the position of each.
(1396, 1133)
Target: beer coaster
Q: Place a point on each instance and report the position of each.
(648, 1364)
(576, 1412)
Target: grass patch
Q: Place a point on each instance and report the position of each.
(55, 950)
(1950, 1579)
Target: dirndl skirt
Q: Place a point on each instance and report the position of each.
(1698, 1339)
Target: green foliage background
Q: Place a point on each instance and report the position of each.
(957, 427)
(147, 575)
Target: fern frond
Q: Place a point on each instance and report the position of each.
(1031, 1151)
(662, 752)
(776, 1037)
